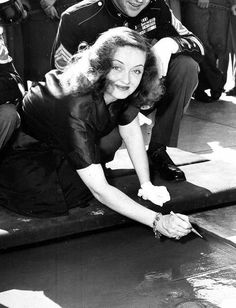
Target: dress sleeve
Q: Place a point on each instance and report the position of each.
(128, 115)
(82, 144)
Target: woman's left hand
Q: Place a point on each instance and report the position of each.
(156, 194)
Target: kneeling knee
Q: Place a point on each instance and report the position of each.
(189, 65)
(188, 68)
(9, 116)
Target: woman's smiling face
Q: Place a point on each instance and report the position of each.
(126, 73)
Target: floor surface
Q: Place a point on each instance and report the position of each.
(127, 267)
(210, 129)
(111, 270)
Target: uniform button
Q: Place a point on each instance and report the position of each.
(100, 3)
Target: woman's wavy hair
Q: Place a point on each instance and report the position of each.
(88, 69)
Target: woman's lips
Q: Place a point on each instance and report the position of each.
(122, 88)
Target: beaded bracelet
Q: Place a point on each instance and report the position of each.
(154, 225)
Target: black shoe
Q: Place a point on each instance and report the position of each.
(161, 162)
(231, 92)
(201, 96)
(216, 94)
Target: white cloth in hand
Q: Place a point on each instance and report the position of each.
(156, 194)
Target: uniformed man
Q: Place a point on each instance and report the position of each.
(177, 50)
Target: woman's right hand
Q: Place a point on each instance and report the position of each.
(174, 226)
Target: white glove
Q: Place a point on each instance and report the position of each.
(156, 194)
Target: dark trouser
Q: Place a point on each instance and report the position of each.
(9, 121)
(181, 81)
(211, 26)
(232, 46)
(31, 51)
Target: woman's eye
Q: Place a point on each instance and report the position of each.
(116, 68)
(137, 72)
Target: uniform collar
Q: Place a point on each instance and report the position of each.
(114, 10)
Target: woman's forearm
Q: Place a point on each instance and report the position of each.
(133, 138)
(124, 205)
(139, 160)
(94, 179)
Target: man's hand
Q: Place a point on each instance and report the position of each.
(163, 50)
(204, 4)
(49, 9)
(156, 194)
(233, 9)
(51, 12)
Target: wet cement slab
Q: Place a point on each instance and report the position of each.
(125, 268)
(220, 222)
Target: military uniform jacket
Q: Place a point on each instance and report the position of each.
(84, 21)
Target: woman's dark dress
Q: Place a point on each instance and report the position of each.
(60, 134)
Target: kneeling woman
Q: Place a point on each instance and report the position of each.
(73, 123)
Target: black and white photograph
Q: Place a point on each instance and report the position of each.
(117, 153)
